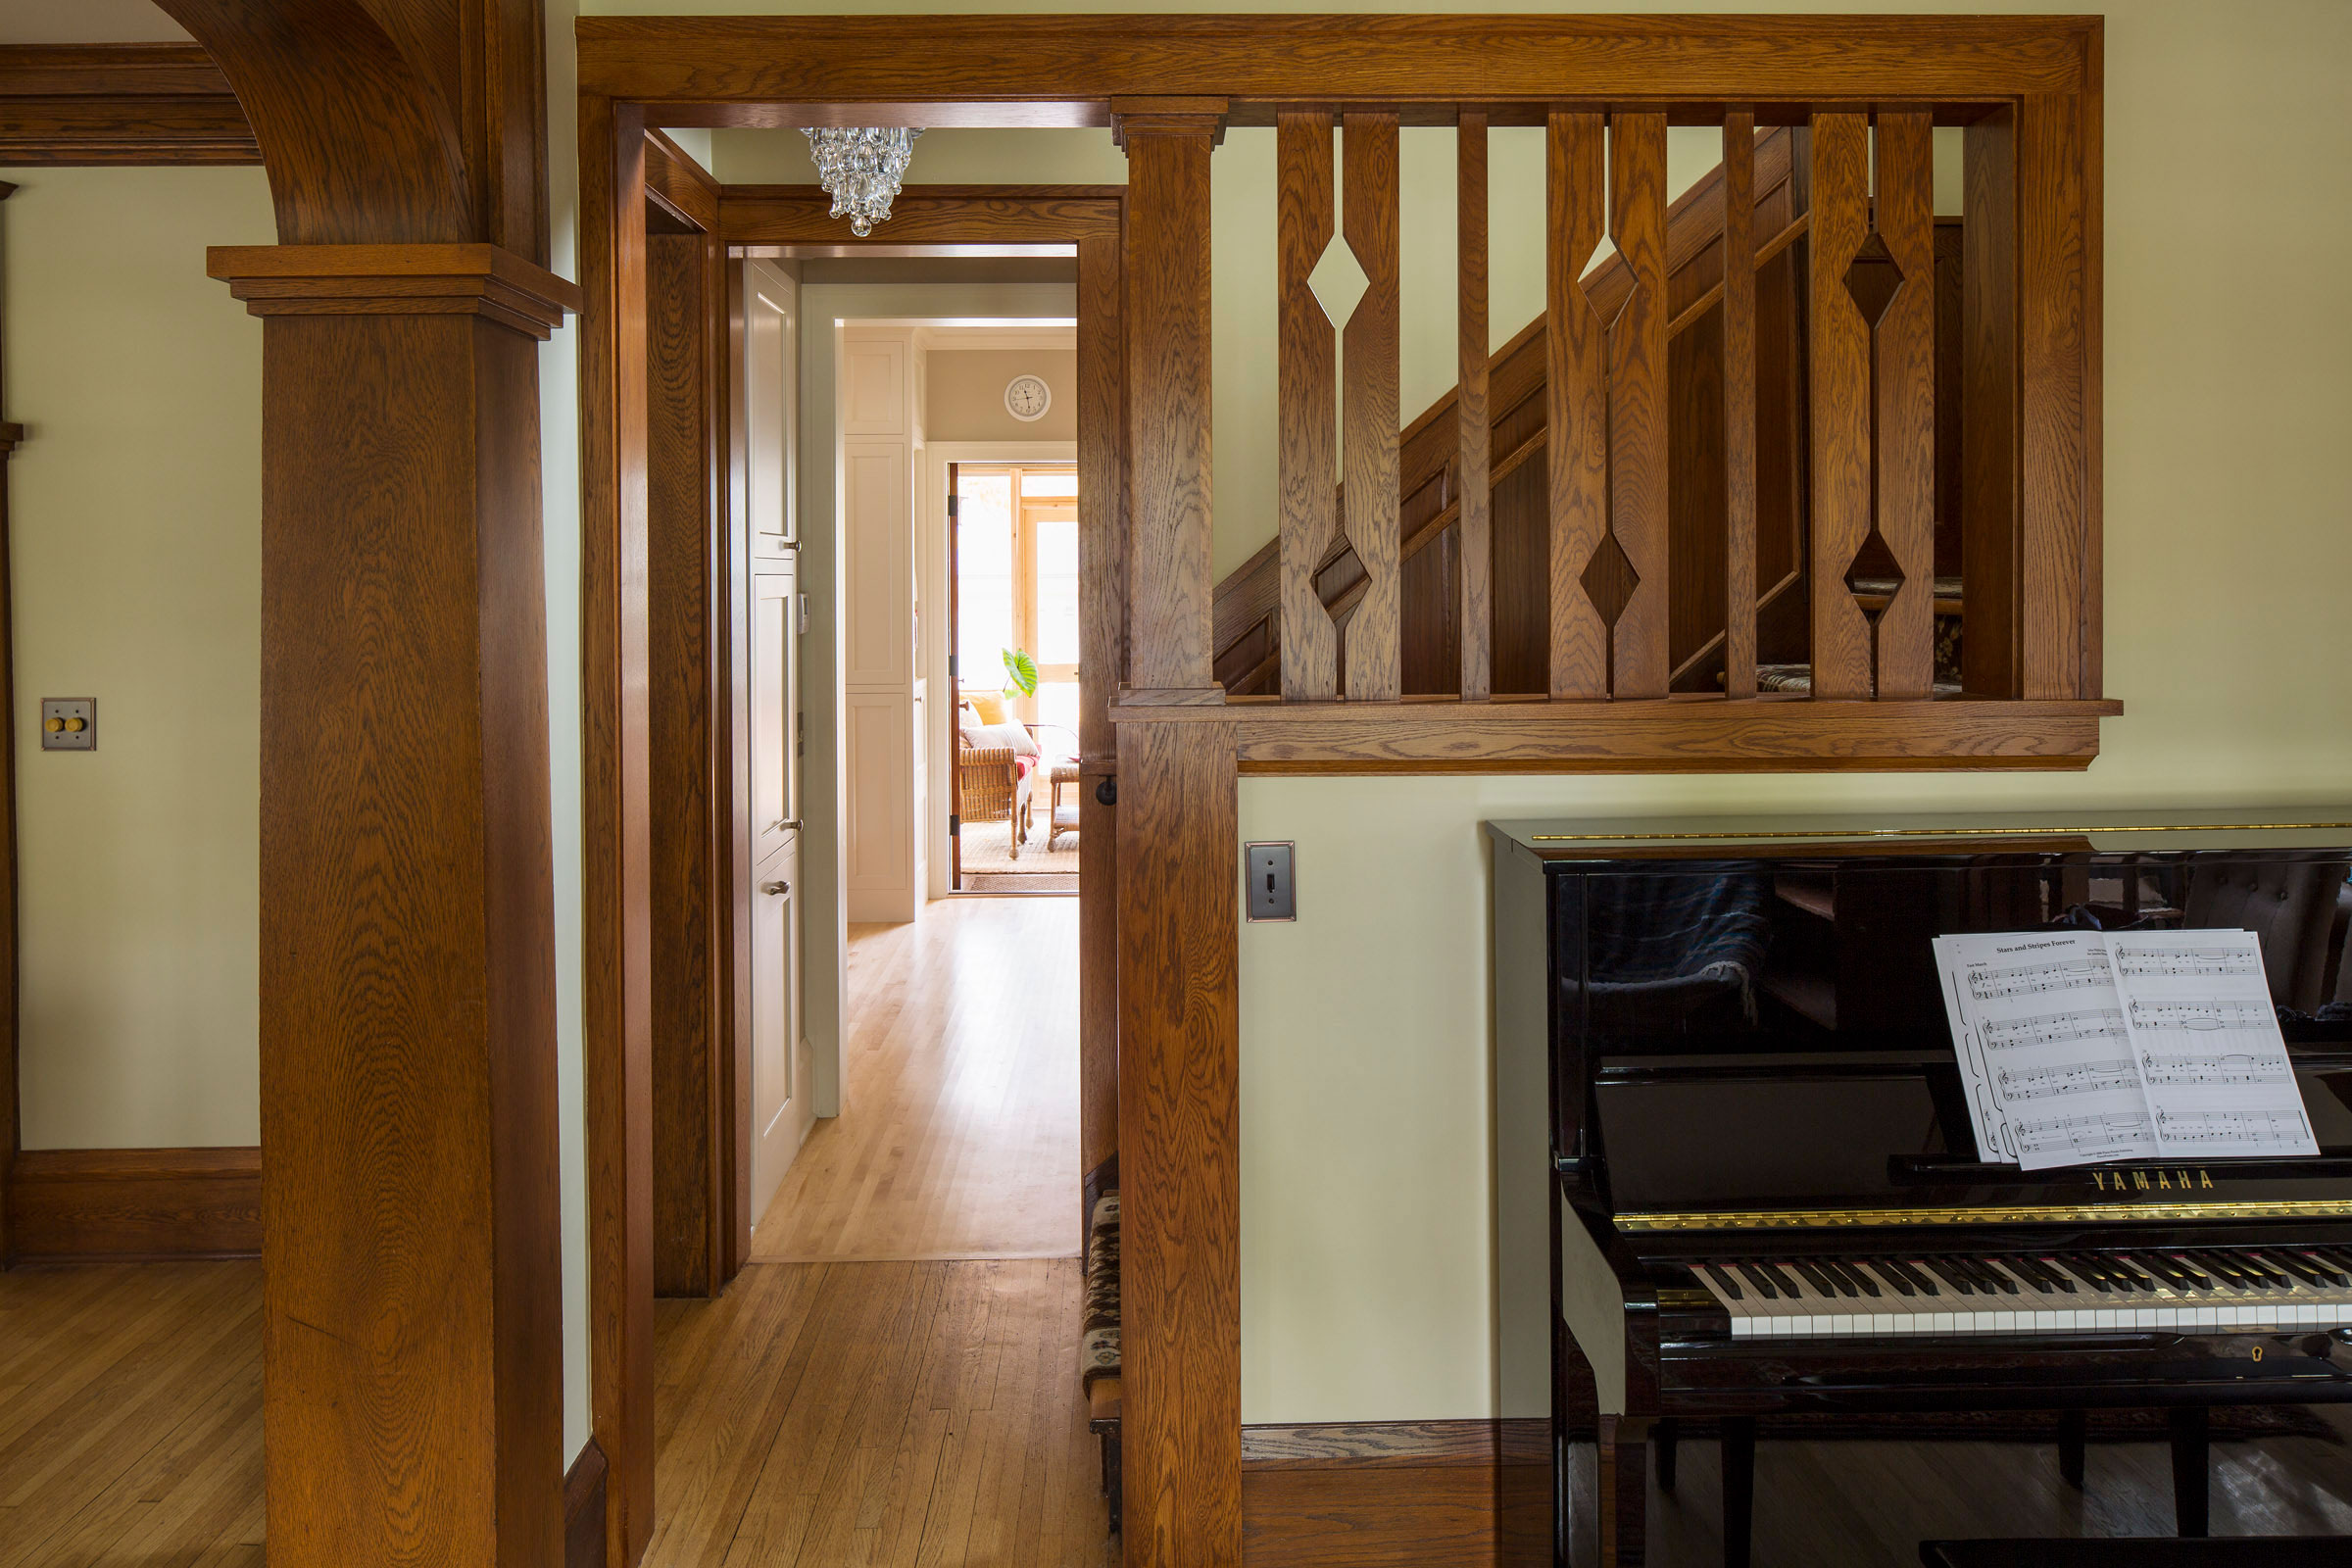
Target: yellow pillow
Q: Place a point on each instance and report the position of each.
(988, 705)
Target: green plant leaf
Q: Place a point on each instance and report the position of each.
(1020, 672)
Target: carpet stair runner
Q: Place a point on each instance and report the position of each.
(1099, 1345)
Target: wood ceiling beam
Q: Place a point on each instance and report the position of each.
(1065, 70)
(119, 103)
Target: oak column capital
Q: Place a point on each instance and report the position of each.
(456, 280)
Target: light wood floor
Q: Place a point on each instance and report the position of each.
(916, 1413)
(908, 1413)
(959, 1132)
(130, 1416)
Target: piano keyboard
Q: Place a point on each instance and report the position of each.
(2053, 1293)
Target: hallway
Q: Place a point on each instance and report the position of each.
(959, 1132)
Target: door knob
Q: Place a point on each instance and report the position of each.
(780, 825)
(775, 887)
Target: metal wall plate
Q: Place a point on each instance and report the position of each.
(68, 723)
(1266, 872)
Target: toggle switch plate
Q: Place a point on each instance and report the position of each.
(68, 723)
(1267, 874)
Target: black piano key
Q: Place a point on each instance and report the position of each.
(1787, 1286)
(2032, 1272)
(1861, 1282)
(1720, 1278)
(2226, 1269)
(2163, 1267)
(1890, 1271)
(2281, 1258)
(2262, 1273)
(2195, 1278)
(1991, 1276)
(1946, 1271)
(2087, 1272)
(2060, 1279)
(2335, 1257)
(1917, 1274)
(2135, 1278)
(1757, 1276)
(1814, 1277)
(2328, 1270)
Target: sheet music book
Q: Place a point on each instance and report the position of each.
(2084, 1046)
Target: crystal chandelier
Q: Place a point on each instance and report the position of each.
(861, 167)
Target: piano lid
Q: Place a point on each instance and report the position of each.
(2104, 830)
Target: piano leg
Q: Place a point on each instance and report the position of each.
(1738, 1487)
(1607, 1492)
(1662, 1440)
(2189, 1446)
(2071, 1426)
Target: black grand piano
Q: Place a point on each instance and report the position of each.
(1726, 1092)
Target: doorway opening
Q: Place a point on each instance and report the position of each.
(1013, 607)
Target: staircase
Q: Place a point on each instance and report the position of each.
(1247, 608)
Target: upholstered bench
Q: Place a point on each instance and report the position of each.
(1099, 1345)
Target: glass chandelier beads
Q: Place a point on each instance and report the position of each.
(861, 167)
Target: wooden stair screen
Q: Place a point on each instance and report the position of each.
(1309, 505)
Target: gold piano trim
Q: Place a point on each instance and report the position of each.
(1770, 1219)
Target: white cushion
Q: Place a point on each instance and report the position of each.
(1013, 736)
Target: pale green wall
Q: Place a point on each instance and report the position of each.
(1367, 1252)
(135, 514)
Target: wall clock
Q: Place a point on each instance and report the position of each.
(1027, 398)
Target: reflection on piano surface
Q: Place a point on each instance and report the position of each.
(1726, 1092)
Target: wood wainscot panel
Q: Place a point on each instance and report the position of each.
(117, 1206)
(1429, 1493)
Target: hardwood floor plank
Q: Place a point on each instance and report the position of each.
(959, 1134)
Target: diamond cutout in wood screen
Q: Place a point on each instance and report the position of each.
(1609, 578)
(1337, 281)
(1874, 279)
(1875, 577)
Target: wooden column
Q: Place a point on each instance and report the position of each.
(1740, 403)
(1473, 434)
(1636, 357)
(1841, 403)
(2058, 572)
(1180, 1144)
(1903, 419)
(1576, 404)
(1989, 545)
(412, 1330)
(1305, 404)
(1170, 646)
(1101, 645)
(1374, 660)
(616, 916)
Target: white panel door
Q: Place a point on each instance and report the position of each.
(781, 1103)
(878, 566)
(873, 387)
(775, 708)
(877, 732)
(770, 367)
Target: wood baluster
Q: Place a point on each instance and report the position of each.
(1904, 350)
(1307, 465)
(1476, 555)
(1740, 403)
(1170, 589)
(2058, 565)
(1840, 404)
(1576, 403)
(1375, 656)
(1637, 453)
(1989, 545)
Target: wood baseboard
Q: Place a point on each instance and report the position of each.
(122, 1205)
(584, 1510)
(1368, 1495)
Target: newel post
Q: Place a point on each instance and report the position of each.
(1169, 629)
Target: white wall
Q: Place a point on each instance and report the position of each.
(1366, 1253)
(560, 482)
(135, 516)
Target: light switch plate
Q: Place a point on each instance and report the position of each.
(1273, 895)
(58, 716)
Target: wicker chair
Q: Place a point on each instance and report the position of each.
(990, 786)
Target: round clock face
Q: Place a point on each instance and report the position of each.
(1027, 397)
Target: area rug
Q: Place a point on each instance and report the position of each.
(989, 866)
